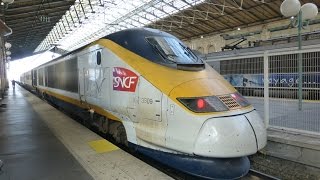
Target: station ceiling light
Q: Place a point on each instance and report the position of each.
(7, 45)
(89, 20)
(8, 1)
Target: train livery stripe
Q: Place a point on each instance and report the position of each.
(164, 78)
(83, 105)
(186, 83)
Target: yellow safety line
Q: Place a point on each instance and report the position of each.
(102, 146)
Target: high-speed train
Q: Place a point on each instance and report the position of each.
(152, 93)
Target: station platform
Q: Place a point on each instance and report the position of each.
(39, 142)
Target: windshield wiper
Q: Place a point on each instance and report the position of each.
(189, 52)
(171, 55)
(162, 53)
(158, 50)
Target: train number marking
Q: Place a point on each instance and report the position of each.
(124, 80)
(146, 100)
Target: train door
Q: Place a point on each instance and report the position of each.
(82, 62)
(133, 102)
(93, 78)
(151, 125)
(34, 78)
(103, 82)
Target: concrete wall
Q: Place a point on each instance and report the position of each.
(214, 42)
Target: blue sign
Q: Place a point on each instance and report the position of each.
(310, 80)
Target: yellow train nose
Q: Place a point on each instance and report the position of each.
(201, 87)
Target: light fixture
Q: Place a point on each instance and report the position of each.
(7, 45)
(290, 7)
(201, 37)
(8, 53)
(8, 1)
(8, 58)
(309, 11)
(238, 28)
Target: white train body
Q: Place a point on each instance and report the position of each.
(145, 97)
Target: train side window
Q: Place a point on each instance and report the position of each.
(98, 57)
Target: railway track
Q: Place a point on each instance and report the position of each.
(256, 175)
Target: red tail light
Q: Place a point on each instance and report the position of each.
(203, 104)
(213, 103)
(200, 103)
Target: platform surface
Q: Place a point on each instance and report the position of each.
(285, 113)
(39, 142)
(29, 150)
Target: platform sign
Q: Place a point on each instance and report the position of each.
(310, 80)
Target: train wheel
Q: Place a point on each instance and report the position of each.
(103, 124)
(122, 135)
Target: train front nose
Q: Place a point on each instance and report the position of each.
(234, 136)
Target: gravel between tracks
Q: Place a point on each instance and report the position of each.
(283, 169)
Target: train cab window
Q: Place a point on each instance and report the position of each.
(98, 57)
(174, 52)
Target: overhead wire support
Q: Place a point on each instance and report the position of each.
(60, 29)
(72, 19)
(101, 4)
(65, 17)
(55, 34)
(92, 11)
(75, 9)
(84, 13)
(58, 34)
(50, 39)
(65, 29)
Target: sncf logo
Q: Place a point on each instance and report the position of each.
(124, 79)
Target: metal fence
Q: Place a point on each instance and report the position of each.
(276, 98)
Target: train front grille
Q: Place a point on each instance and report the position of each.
(229, 101)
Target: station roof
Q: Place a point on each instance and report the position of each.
(31, 21)
(217, 16)
(37, 24)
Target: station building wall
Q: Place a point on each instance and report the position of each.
(214, 42)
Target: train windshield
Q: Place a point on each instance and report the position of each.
(174, 51)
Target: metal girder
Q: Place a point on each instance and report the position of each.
(32, 14)
(168, 16)
(34, 8)
(23, 30)
(29, 28)
(194, 18)
(211, 16)
(21, 20)
(27, 24)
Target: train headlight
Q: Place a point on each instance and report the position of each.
(204, 104)
(215, 103)
(240, 99)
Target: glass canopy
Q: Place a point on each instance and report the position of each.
(89, 20)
